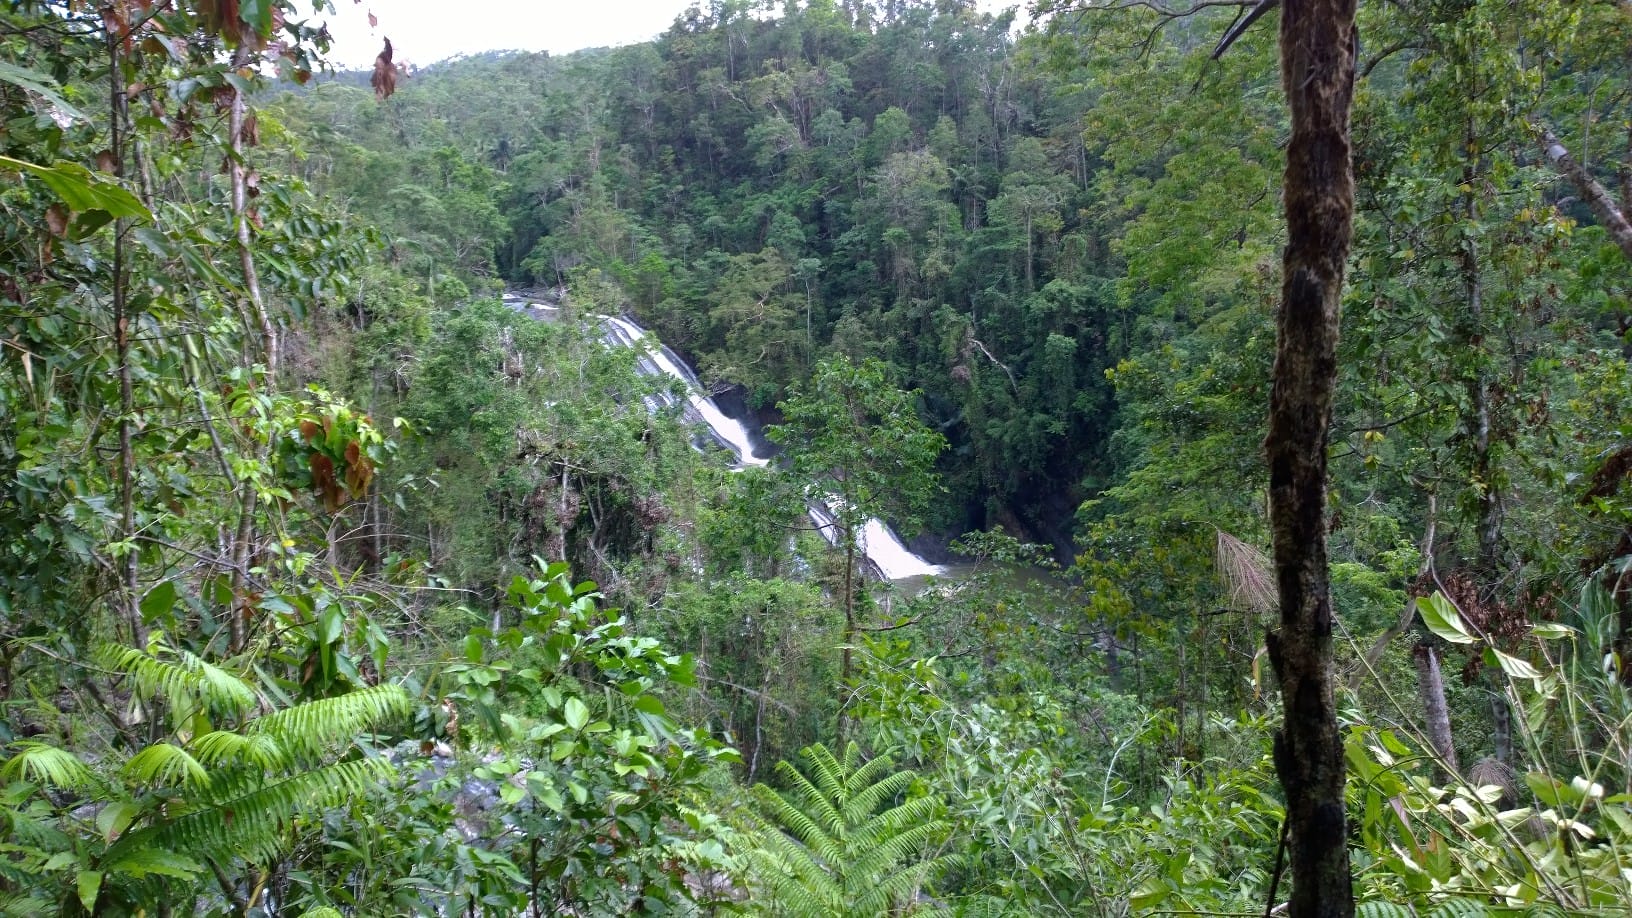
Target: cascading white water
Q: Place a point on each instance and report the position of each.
(882, 547)
(878, 542)
(660, 361)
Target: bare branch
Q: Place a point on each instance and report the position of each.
(1242, 25)
(1592, 191)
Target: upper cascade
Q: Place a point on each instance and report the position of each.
(884, 550)
(658, 359)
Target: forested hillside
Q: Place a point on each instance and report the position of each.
(360, 557)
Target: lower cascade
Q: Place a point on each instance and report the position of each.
(886, 554)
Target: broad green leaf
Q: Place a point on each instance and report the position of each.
(1551, 791)
(1552, 631)
(82, 190)
(90, 885)
(115, 818)
(1513, 666)
(158, 600)
(1442, 619)
(576, 714)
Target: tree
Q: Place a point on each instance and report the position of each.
(1318, 42)
(858, 439)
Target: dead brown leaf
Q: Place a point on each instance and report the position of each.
(384, 80)
(56, 220)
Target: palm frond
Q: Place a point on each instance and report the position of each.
(44, 764)
(311, 730)
(229, 748)
(164, 764)
(1245, 573)
(183, 678)
(251, 826)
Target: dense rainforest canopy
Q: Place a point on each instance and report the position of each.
(334, 581)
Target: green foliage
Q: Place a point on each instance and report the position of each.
(256, 648)
(604, 790)
(855, 435)
(829, 850)
(236, 788)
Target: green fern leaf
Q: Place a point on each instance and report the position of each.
(47, 765)
(229, 748)
(164, 764)
(834, 854)
(160, 863)
(252, 825)
(186, 680)
(1377, 909)
(312, 730)
(1459, 908)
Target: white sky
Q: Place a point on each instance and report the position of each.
(426, 31)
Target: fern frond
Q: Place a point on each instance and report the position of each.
(826, 779)
(870, 798)
(164, 764)
(33, 828)
(187, 678)
(832, 855)
(810, 801)
(858, 778)
(250, 826)
(793, 878)
(310, 730)
(23, 905)
(44, 764)
(901, 886)
(1382, 910)
(1459, 908)
(226, 747)
(152, 862)
(879, 858)
(896, 820)
(820, 837)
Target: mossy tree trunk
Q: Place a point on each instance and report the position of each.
(1318, 44)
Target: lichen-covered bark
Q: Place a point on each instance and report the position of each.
(1598, 198)
(1317, 68)
(1436, 714)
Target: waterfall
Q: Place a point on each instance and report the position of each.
(878, 542)
(885, 552)
(660, 361)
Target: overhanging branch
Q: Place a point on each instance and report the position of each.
(1592, 191)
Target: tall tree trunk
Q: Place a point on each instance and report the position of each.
(243, 551)
(123, 320)
(1431, 692)
(1318, 45)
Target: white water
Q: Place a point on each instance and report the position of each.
(879, 543)
(660, 360)
(882, 547)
